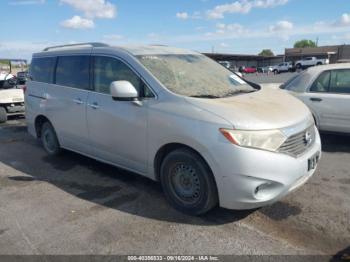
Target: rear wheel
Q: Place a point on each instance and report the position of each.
(3, 115)
(49, 139)
(188, 182)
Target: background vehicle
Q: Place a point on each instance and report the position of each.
(177, 117)
(310, 61)
(283, 67)
(11, 97)
(326, 90)
(22, 77)
(249, 70)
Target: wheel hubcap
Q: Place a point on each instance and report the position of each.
(185, 183)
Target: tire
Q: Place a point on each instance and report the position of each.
(318, 64)
(188, 182)
(3, 115)
(298, 66)
(49, 139)
(275, 72)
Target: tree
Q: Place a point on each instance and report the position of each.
(266, 52)
(305, 43)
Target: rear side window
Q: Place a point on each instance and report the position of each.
(340, 81)
(73, 71)
(41, 69)
(321, 85)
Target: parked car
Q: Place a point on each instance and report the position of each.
(249, 70)
(310, 61)
(283, 67)
(11, 98)
(22, 77)
(174, 116)
(326, 90)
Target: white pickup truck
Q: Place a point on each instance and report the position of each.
(310, 61)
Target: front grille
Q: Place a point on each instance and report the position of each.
(299, 143)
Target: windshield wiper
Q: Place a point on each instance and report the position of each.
(205, 96)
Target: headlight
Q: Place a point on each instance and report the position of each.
(269, 140)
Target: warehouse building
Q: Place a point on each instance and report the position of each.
(237, 60)
(335, 54)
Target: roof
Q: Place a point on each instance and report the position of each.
(157, 50)
(134, 50)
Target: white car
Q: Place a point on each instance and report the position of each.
(174, 116)
(326, 90)
(11, 98)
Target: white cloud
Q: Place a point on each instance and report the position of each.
(182, 15)
(77, 22)
(93, 8)
(28, 2)
(224, 45)
(344, 20)
(113, 37)
(242, 6)
(281, 26)
(185, 15)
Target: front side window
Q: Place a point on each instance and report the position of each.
(41, 69)
(194, 75)
(73, 71)
(321, 84)
(108, 70)
(340, 81)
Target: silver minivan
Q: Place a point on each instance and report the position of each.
(174, 116)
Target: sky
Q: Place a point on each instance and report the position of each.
(225, 26)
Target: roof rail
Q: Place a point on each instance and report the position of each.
(92, 44)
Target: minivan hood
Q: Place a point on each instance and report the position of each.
(265, 109)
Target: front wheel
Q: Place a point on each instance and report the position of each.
(3, 115)
(188, 183)
(49, 139)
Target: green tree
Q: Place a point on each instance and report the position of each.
(305, 43)
(266, 52)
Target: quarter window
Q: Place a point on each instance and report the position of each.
(340, 81)
(41, 69)
(73, 71)
(108, 70)
(321, 85)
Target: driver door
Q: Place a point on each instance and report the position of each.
(117, 129)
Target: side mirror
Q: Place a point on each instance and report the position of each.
(123, 91)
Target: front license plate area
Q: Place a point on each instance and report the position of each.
(312, 162)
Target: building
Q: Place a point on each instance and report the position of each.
(336, 53)
(237, 60)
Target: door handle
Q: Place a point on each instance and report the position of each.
(78, 101)
(94, 105)
(314, 99)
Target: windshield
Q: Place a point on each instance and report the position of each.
(194, 76)
(298, 83)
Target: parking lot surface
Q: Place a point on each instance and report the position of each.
(271, 78)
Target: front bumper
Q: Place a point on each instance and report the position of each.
(250, 178)
(15, 109)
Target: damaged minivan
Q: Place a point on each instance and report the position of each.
(176, 116)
